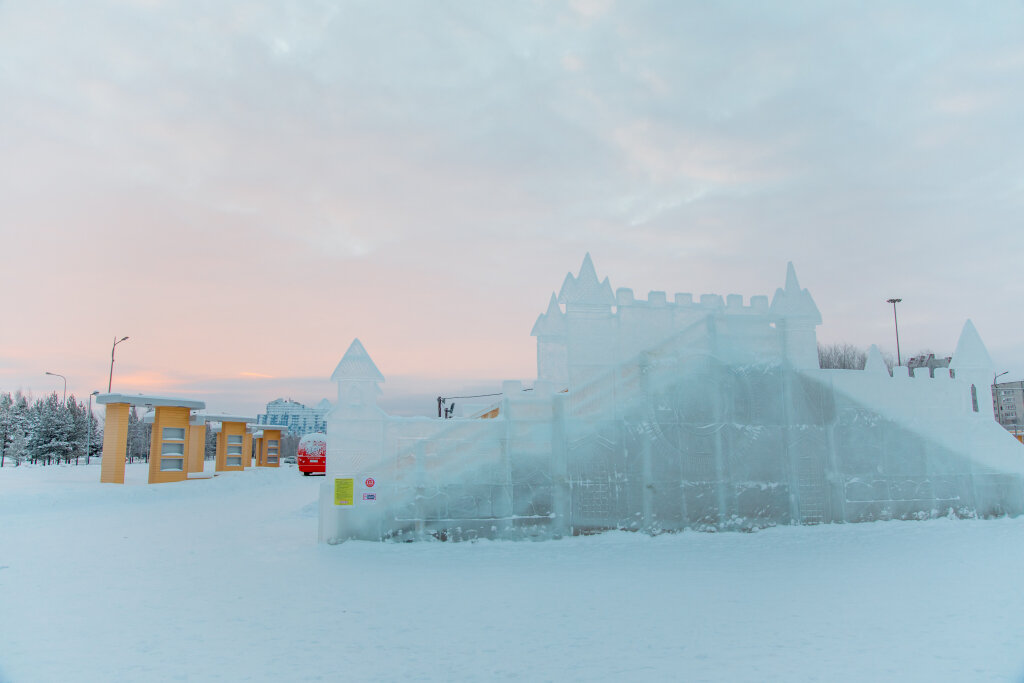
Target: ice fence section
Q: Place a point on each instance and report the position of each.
(662, 416)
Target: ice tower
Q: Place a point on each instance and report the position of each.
(663, 414)
(355, 425)
(797, 318)
(972, 365)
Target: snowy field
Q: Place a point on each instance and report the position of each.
(222, 580)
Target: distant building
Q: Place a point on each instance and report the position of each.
(1008, 402)
(300, 419)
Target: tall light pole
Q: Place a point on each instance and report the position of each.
(896, 322)
(110, 381)
(88, 438)
(65, 400)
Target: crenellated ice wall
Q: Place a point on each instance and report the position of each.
(657, 416)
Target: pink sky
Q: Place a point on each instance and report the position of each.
(243, 189)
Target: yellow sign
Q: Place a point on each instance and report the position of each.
(343, 491)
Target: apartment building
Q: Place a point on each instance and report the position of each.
(299, 418)
(1008, 402)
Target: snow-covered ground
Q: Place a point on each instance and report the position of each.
(222, 579)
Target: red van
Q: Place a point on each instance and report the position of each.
(312, 455)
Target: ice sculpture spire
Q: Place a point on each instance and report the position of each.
(356, 364)
(971, 353)
(551, 323)
(875, 364)
(793, 302)
(358, 379)
(584, 290)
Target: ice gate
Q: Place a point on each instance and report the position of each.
(660, 415)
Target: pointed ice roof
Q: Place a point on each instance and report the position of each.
(793, 302)
(550, 323)
(875, 364)
(971, 353)
(585, 288)
(356, 364)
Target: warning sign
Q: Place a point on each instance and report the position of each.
(370, 482)
(343, 491)
(369, 496)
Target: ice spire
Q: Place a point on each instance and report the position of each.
(585, 289)
(793, 302)
(792, 284)
(971, 353)
(356, 364)
(550, 323)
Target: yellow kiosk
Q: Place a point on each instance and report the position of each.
(234, 442)
(268, 440)
(172, 418)
(195, 446)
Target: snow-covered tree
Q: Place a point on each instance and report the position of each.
(138, 437)
(6, 424)
(17, 451)
(53, 438)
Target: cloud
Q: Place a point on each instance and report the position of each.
(255, 184)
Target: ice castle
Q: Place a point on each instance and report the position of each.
(663, 415)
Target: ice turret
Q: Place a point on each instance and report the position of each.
(797, 316)
(584, 290)
(972, 364)
(550, 330)
(590, 326)
(355, 425)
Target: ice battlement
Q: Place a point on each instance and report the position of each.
(597, 330)
(732, 304)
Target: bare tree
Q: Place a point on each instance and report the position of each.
(841, 356)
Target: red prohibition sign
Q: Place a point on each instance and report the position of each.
(370, 482)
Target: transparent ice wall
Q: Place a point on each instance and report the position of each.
(668, 417)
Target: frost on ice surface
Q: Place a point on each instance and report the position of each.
(661, 415)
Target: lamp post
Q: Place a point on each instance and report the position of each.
(88, 438)
(110, 381)
(65, 399)
(996, 405)
(896, 322)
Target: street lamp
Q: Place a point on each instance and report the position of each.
(88, 438)
(896, 322)
(110, 381)
(65, 400)
(996, 377)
